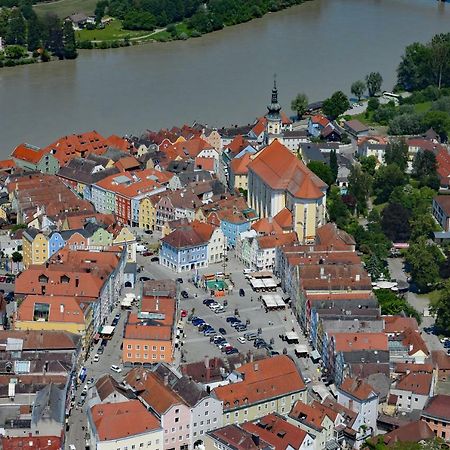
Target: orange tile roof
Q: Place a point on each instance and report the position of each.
(7, 164)
(237, 438)
(262, 380)
(31, 443)
(61, 309)
(285, 119)
(260, 126)
(277, 240)
(28, 153)
(330, 235)
(313, 414)
(205, 164)
(347, 342)
(320, 119)
(277, 431)
(237, 144)
(117, 142)
(190, 148)
(152, 390)
(266, 226)
(357, 388)
(397, 324)
(137, 183)
(414, 341)
(121, 420)
(127, 163)
(278, 167)
(412, 367)
(438, 407)
(417, 383)
(239, 166)
(284, 219)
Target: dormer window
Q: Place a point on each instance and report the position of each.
(43, 278)
(64, 279)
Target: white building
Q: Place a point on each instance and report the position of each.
(413, 391)
(124, 426)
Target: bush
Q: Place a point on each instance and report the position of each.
(115, 44)
(373, 104)
(195, 34)
(183, 36)
(85, 44)
(103, 45)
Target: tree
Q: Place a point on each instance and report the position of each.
(368, 164)
(406, 124)
(336, 105)
(17, 257)
(70, 48)
(373, 104)
(17, 29)
(300, 104)
(322, 171)
(337, 209)
(422, 226)
(334, 164)
(386, 179)
(397, 153)
(395, 222)
(34, 33)
(441, 307)
(440, 56)
(358, 88)
(424, 260)
(53, 35)
(391, 304)
(425, 169)
(359, 185)
(374, 81)
(413, 70)
(439, 121)
(15, 52)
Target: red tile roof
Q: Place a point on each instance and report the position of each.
(277, 431)
(414, 341)
(238, 439)
(321, 120)
(61, 309)
(42, 340)
(203, 163)
(347, 342)
(412, 432)
(277, 240)
(187, 149)
(313, 414)
(127, 163)
(397, 324)
(262, 380)
(357, 388)
(121, 420)
(438, 407)
(417, 383)
(239, 166)
(444, 202)
(284, 219)
(7, 164)
(31, 442)
(278, 167)
(119, 143)
(260, 126)
(266, 226)
(28, 153)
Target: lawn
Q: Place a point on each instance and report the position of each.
(64, 8)
(422, 107)
(432, 295)
(112, 32)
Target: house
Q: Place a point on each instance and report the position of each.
(441, 211)
(281, 434)
(277, 179)
(233, 437)
(441, 362)
(123, 425)
(258, 388)
(356, 128)
(31, 158)
(147, 212)
(238, 172)
(35, 248)
(317, 420)
(80, 20)
(413, 390)
(293, 139)
(416, 431)
(31, 442)
(372, 146)
(436, 415)
(320, 127)
(107, 390)
(310, 152)
(361, 398)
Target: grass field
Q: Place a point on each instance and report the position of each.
(63, 8)
(112, 32)
(422, 107)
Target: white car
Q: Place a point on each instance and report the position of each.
(241, 340)
(96, 358)
(115, 368)
(307, 380)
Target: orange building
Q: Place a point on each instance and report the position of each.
(149, 334)
(437, 415)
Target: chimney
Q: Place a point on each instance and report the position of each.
(206, 362)
(358, 277)
(255, 439)
(166, 380)
(250, 356)
(61, 308)
(256, 367)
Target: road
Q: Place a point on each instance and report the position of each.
(420, 303)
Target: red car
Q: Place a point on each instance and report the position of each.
(184, 313)
(147, 254)
(2, 279)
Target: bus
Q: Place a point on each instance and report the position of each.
(82, 374)
(391, 96)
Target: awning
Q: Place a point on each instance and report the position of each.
(315, 355)
(126, 302)
(301, 348)
(107, 330)
(292, 336)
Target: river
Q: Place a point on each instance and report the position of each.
(220, 79)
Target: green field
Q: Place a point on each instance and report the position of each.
(112, 32)
(64, 8)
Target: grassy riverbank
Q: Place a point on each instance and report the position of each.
(64, 8)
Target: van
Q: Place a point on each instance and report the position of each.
(247, 271)
(251, 336)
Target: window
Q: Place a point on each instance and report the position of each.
(162, 348)
(201, 423)
(154, 348)
(129, 347)
(177, 411)
(129, 355)
(177, 419)
(173, 429)
(145, 347)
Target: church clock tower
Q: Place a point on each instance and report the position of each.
(273, 126)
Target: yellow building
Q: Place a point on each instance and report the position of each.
(147, 214)
(34, 247)
(260, 388)
(126, 237)
(277, 179)
(55, 313)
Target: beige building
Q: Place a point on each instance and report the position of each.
(278, 180)
(260, 388)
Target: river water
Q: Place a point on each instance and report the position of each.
(220, 79)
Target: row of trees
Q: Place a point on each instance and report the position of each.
(201, 17)
(20, 26)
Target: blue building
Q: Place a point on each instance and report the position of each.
(183, 250)
(55, 243)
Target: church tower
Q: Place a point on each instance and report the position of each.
(273, 126)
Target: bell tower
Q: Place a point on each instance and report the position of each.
(273, 126)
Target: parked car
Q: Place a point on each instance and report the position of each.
(184, 294)
(307, 380)
(232, 350)
(9, 280)
(222, 331)
(9, 297)
(115, 368)
(91, 380)
(144, 279)
(197, 322)
(155, 259)
(210, 332)
(147, 253)
(231, 319)
(225, 348)
(179, 280)
(148, 232)
(184, 313)
(241, 340)
(100, 350)
(208, 301)
(240, 327)
(242, 292)
(2, 279)
(115, 322)
(96, 358)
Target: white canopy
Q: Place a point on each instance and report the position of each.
(107, 329)
(292, 336)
